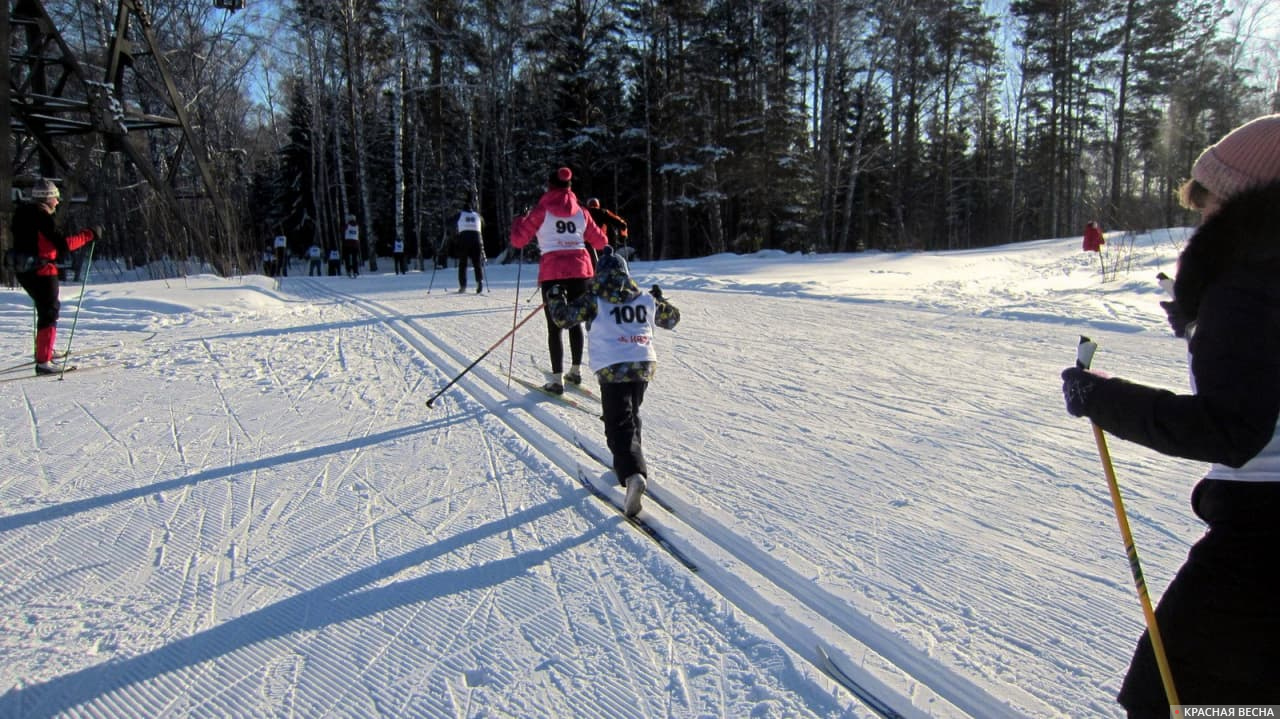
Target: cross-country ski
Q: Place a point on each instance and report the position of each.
(580, 404)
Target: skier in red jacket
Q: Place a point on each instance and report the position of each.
(37, 245)
(1093, 240)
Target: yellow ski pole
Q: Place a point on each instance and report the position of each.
(1084, 356)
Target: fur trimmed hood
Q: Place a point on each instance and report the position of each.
(1243, 235)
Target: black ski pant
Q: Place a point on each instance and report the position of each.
(476, 255)
(43, 290)
(573, 289)
(1218, 618)
(352, 257)
(621, 404)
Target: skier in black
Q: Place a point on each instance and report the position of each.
(351, 246)
(469, 245)
(1218, 617)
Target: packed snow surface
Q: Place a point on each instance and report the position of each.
(241, 504)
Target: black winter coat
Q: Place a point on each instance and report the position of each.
(1228, 284)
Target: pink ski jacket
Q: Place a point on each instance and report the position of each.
(563, 229)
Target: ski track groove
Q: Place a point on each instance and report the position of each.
(493, 476)
(216, 382)
(412, 334)
(625, 625)
(379, 312)
(128, 451)
(33, 426)
(225, 528)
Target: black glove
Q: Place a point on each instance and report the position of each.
(98, 232)
(1077, 386)
(656, 291)
(555, 292)
(1179, 320)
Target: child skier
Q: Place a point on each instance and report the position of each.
(620, 321)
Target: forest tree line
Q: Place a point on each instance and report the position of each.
(710, 125)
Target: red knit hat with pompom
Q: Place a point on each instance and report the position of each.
(561, 177)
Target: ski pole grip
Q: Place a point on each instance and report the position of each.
(1084, 352)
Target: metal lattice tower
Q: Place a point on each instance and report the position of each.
(68, 118)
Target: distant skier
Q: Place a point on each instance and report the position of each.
(314, 256)
(281, 246)
(269, 261)
(1093, 239)
(614, 226)
(351, 246)
(37, 246)
(1218, 617)
(335, 262)
(469, 245)
(398, 259)
(568, 239)
(620, 321)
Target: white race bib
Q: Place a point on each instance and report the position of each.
(562, 233)
(468, 222)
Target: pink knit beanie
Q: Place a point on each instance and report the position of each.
(1248, 156)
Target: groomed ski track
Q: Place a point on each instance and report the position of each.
(892, 678)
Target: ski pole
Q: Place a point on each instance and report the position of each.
(515, 312)
(1084, 357)
(494, 346)
(88, 264)
(435, 263)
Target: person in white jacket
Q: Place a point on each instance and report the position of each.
(620, 320)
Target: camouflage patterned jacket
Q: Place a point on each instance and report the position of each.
(614, 290)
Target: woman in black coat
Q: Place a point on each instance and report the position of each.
(1218, 619)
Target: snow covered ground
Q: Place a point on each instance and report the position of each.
(242, 506)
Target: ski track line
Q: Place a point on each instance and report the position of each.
(831, 608)
(131, 458)
(502, 494)
(796, 634)
(175, 434)
(33, 425)
(744, 599)
(231, 415)
(626, 626)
